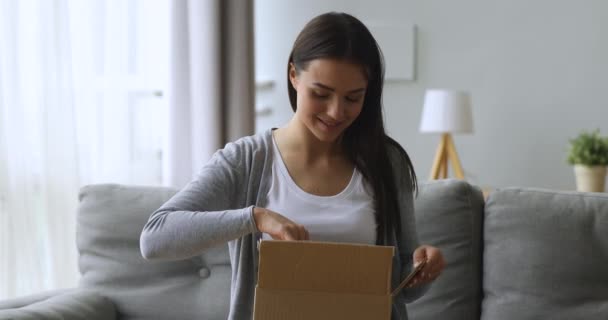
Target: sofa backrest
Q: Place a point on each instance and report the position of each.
(110, 220)
(545, 255)
(449, 215)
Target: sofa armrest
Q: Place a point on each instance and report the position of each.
(73, 304)
(14, 303)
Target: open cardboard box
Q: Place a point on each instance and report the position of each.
(304, 280)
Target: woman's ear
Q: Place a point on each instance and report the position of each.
(293, 76)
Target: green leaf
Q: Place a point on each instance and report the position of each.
(589, 148)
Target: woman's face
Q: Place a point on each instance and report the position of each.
(330, 96)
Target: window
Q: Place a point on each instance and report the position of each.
(82, 101)
(120, 52)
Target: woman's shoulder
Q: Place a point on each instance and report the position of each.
(401, 163)
(253, 143)
(396, 153)
(244, 150)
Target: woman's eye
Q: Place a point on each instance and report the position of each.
(320, 95)
(353, 99)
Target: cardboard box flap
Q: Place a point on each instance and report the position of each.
(325, 267)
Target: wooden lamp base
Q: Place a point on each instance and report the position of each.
(445, 151)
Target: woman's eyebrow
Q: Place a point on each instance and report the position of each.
(320, 85)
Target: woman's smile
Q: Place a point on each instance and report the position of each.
(330, 125)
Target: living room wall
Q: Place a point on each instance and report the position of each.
(536, 71)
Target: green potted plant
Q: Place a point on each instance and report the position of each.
(589, 154)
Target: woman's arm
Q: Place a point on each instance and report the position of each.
(205, 213)
(408, 241)
(410, 251)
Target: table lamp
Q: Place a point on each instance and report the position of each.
(446, 112)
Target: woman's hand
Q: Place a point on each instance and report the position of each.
(277, 226)
(433, 267)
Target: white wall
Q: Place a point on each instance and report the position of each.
(537, 71)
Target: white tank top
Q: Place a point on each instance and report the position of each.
(345, 217)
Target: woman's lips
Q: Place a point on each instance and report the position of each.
(330, 124)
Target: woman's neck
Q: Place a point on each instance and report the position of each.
(296, 137)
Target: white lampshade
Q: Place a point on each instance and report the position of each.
(446, 111)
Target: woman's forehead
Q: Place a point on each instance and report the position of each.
(334, 73)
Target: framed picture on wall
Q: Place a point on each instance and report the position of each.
(398, 43)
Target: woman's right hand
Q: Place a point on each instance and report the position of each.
(277, 226)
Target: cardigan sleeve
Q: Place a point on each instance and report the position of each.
(205, 213)
(408, 240)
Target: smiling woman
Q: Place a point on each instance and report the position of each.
(331, 173)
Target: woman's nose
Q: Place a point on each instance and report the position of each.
(336, 111)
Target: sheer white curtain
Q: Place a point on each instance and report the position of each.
(81, 102)
(212, 82)
(38, 148)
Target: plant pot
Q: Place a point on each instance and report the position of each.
(590, 178)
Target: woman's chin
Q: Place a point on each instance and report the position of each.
(327, 136)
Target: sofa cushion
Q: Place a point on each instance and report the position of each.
(110, 220)
(449, 216)
(75, 304)
(546, 255)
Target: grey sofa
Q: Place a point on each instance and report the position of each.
(525, 254)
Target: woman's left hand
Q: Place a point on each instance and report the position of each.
(433, 267)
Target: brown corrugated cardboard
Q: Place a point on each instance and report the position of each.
(303, 280)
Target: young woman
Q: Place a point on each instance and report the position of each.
(330, 174)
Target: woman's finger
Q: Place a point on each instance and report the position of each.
(287, 235)
(302, 233)
(420, 255)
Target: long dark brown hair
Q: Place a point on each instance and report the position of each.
(341, 36)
